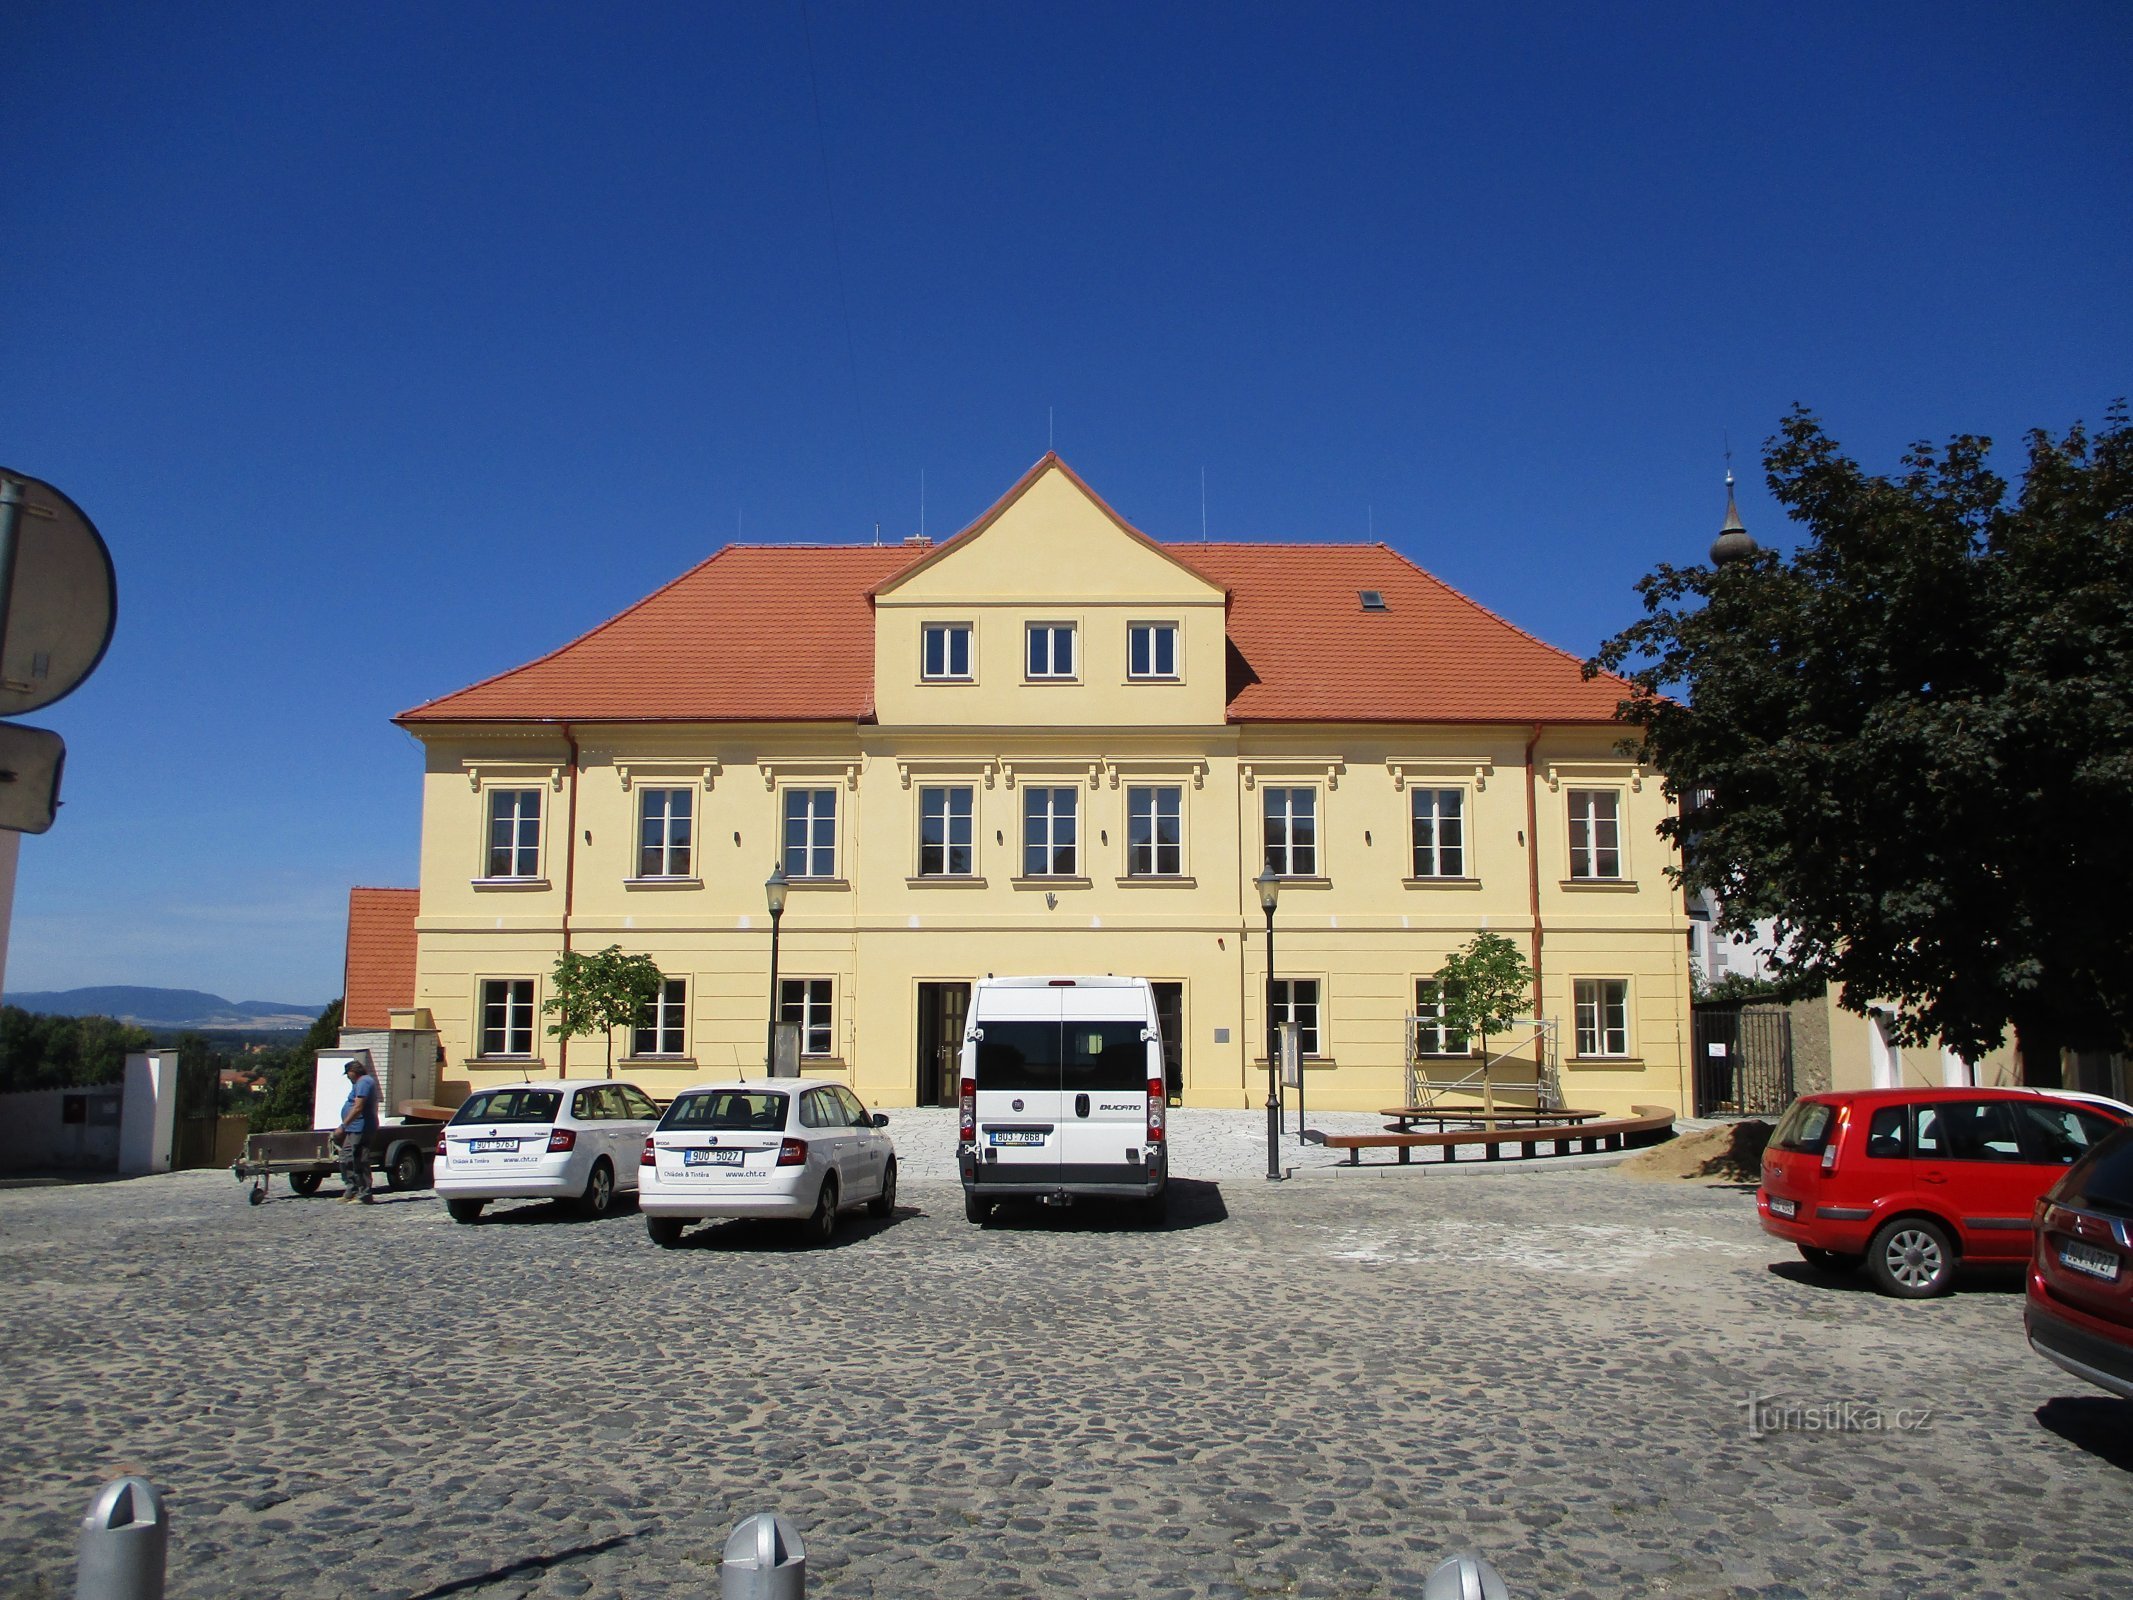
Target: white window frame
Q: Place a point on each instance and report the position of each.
(518, 851)
(812, 1003)
(1588, 854)
(810, 852)
(1430, 1027)
(659, 860)
(1051, 825)
(520, 1014)
(1154, 818)
(949, 633)
(1050, 632)
(947, 846)
(1312, 1044)
(664, 1022)
(1288, 848)
(1159, 636)
(1592, 1000)
(1430, 860)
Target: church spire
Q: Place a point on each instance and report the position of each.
(1733, 542)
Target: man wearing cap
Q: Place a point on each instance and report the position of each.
(359, 1117)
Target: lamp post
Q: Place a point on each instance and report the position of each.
(774, 888)
(1269, 887)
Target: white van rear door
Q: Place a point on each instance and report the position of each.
(1103, 1088)
(1017, 1070)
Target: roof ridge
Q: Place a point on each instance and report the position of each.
(1497, 617)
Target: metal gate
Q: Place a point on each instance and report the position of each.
(1743, 1061)
(193, 1128)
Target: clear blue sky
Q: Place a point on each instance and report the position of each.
(390, 346)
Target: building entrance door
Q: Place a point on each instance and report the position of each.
(1170, 1017)
(941, 1010)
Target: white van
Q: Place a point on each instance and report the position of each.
(1062, 1093)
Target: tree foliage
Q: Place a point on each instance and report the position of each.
(50, 1052)
(600, 993)
(1485, 986)
(1910, 743)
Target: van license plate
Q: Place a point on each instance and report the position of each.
(712, 1158)
(2087, 1258)
(482, 1147)
(1016, 1136)
(1783, 1208)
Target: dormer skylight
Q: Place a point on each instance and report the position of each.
(1373, 599)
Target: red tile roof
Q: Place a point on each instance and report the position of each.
(380, 976)
(785, 633)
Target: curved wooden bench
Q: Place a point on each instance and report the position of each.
(1568, 1138)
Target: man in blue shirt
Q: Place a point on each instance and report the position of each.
(359, 1118)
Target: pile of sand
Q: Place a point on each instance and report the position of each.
(1730, 1153)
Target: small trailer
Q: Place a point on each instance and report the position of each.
(403, 1148)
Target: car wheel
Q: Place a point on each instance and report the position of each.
(1830, 1260)
(1912, 1259)
(405, 1173)
(884, 1204)
(974, 1209)
(822, 1221)
(665, 1232)
(465, 1210)
(305, 1183)
(599, 1196)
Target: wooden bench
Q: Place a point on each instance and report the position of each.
(1568, 1138)
(1404, 1117)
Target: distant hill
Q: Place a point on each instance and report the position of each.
(169, 1008)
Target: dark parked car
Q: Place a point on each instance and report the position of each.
(2080, 1307)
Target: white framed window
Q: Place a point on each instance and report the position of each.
(1048, 832)
(1154, 832)
(807, 1002)
(1439, 832)
(945, 832)
(1152, 650)
(1595, 833)
(810, 833)
(1296, 1000)
(665, 832)
(507, 1016)
(1603, 1016)
(1051, 650)
(514, 834)
(1432, 1036)
(944, 651)
(662, 1022)
(1291, 832)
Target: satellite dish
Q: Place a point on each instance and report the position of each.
(63, 601)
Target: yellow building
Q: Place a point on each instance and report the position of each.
(1049, 744)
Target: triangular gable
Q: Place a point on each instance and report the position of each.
(1048, 463)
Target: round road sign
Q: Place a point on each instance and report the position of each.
(62, 604)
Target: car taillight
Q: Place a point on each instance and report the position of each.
(440, 1144)
(561, 1139)
(648, 1159)
(967, 1100)
(1155, 1110)
(792, 1152)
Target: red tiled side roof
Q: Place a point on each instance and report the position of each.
(1305, 650)
(758, 633)
(380, 976)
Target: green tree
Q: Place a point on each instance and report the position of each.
(600, 993)
(1910, 743)
(1484, 987)
(48, 1052)
(293, 1074)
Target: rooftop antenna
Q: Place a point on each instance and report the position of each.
(877, 533)
(922, 502)
(1371, 513)
(1048, 430)
(1203, 505)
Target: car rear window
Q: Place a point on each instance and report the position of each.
(511, 1105)
(1805, 1127)
(731, 1110)
(1019, 1056)
(2104, 1180)
(1104, 1055)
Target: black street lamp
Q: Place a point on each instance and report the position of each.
(774, 888)
(1269, 887)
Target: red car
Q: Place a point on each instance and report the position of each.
(2080, 1308)
(1908, 1182)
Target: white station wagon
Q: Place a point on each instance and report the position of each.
(543, 1141)
(798, 1148)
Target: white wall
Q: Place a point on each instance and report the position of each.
(35, 1135)
(148, 1122)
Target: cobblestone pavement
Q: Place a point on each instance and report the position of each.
(1309, 1389)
